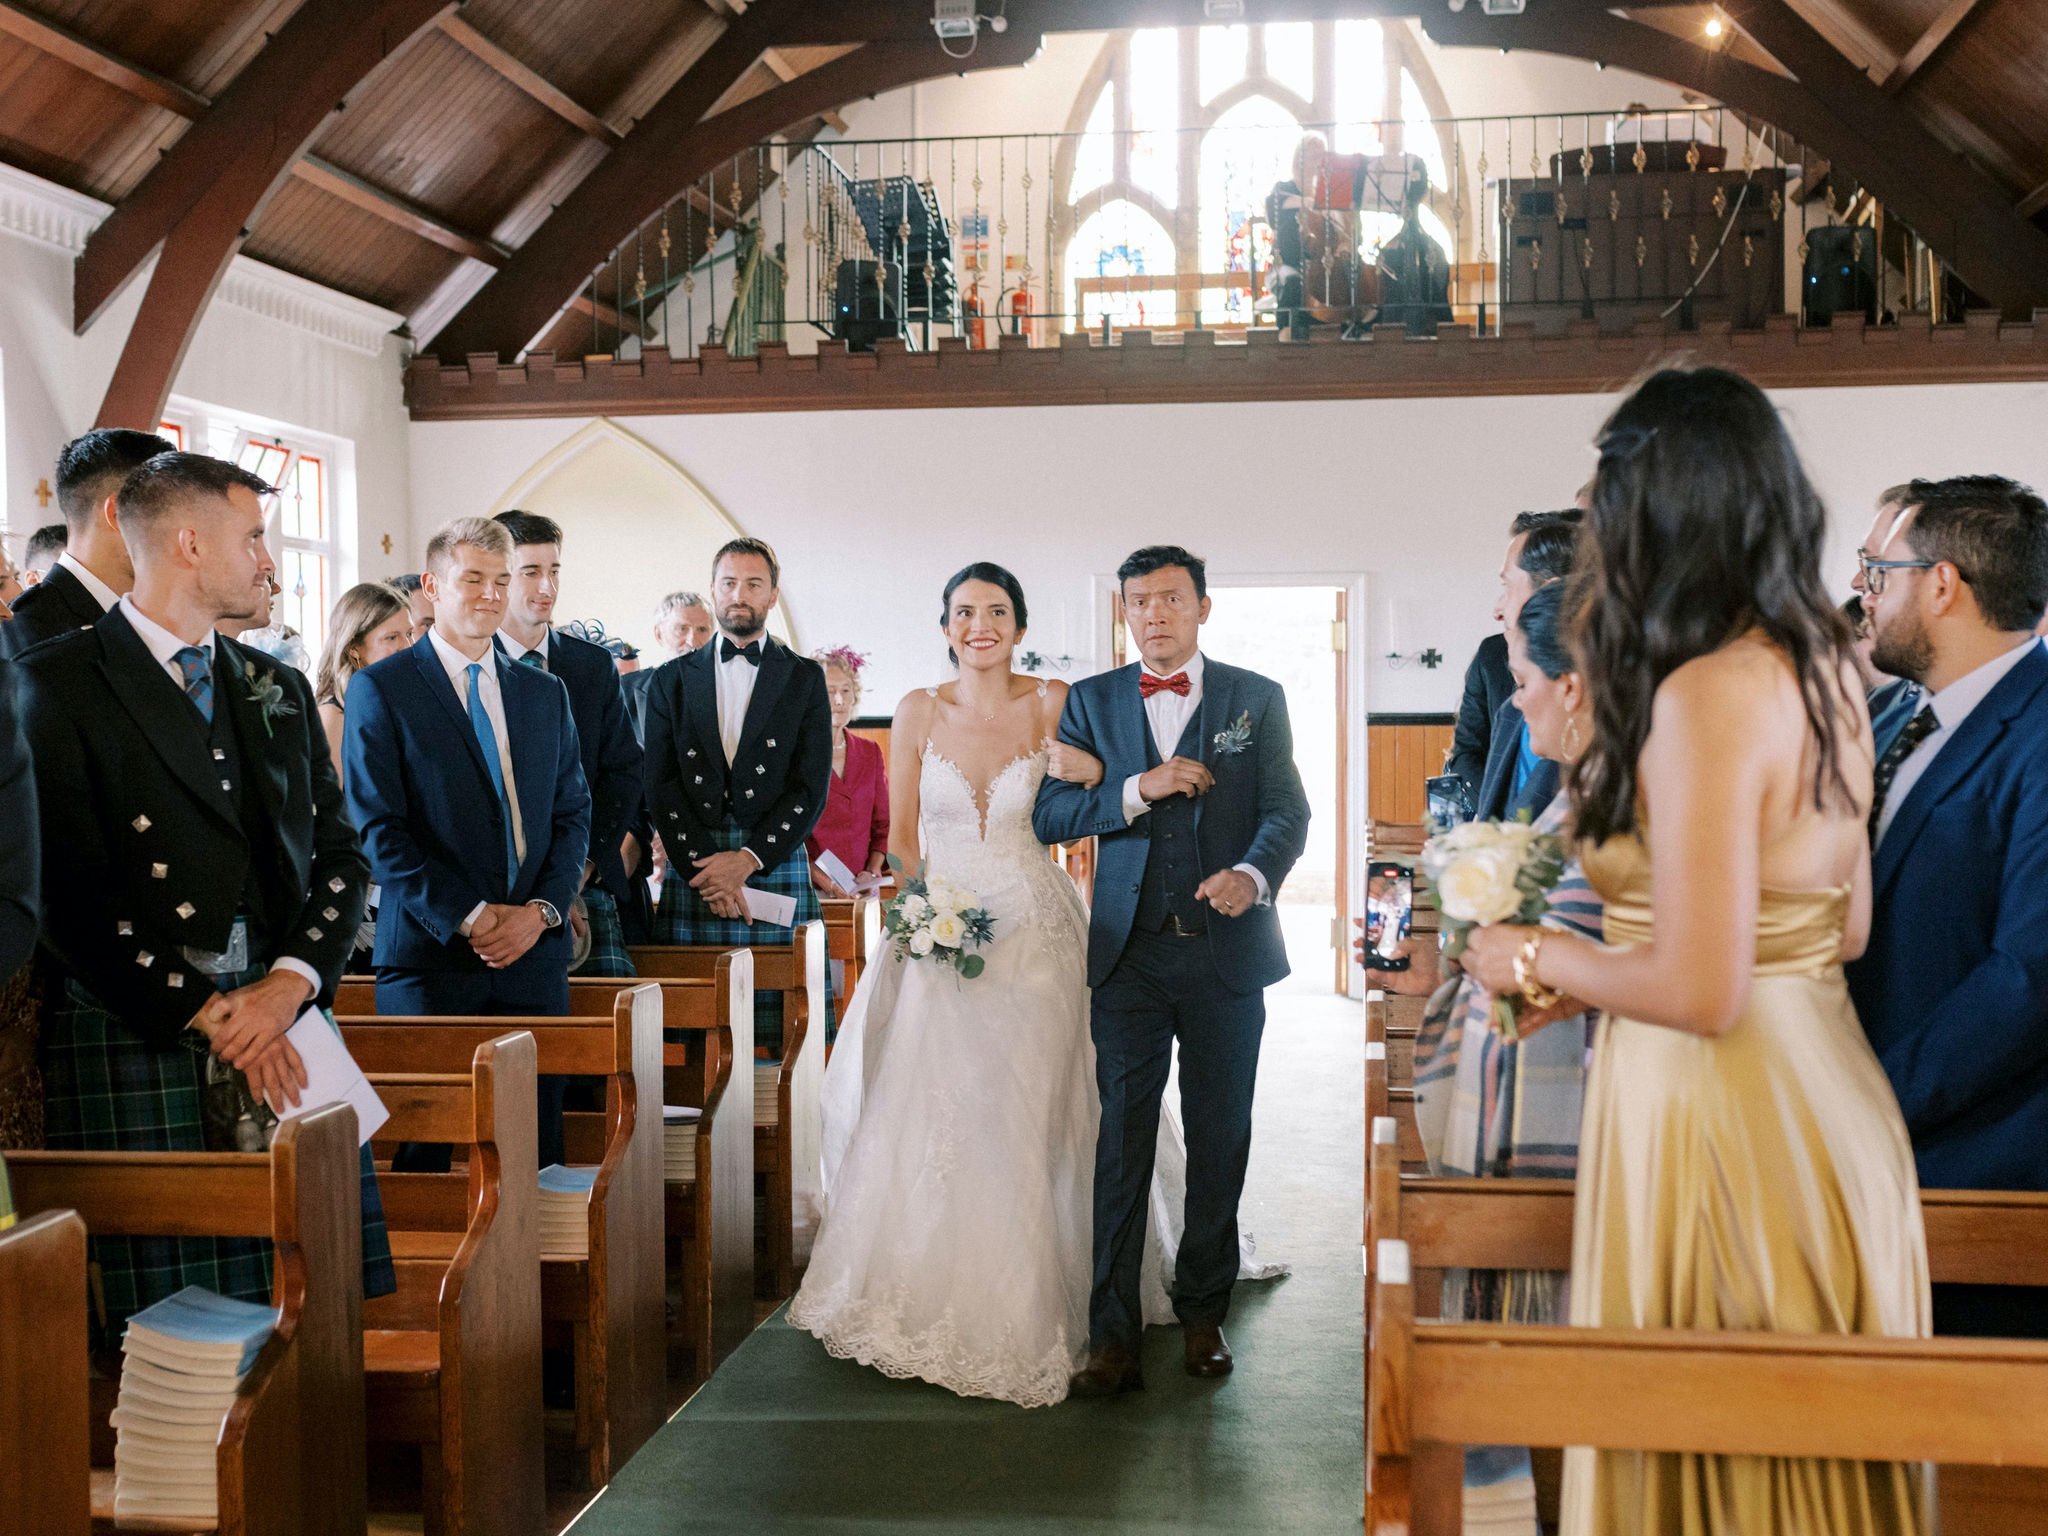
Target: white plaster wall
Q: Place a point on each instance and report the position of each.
(54, 380)
(872, 510)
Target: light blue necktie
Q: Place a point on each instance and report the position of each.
(480, 722)
(197, 671)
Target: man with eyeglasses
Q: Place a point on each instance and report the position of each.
(1893, 700)
(1952, 987)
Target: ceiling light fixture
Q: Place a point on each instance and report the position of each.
(1714, 27)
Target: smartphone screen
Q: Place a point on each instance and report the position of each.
(1389, 913)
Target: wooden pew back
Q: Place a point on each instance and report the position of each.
(45, 1450)
(290, 1453)
(615, 1294)
(482, 1307)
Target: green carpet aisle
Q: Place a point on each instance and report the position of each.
(785, 1438)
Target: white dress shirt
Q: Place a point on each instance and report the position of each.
(1168, 714)
(1952, 706)
(518, 649)
(493, 700)
(164, 646)
(736, 679)
(101, 593)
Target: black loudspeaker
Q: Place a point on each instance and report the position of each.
(863, 309)
(1841, 274)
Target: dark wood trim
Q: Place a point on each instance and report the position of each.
(529, 80)
(1411, 720)
(1198, 368)
(675, 145)
(145, 85)
(396, 210)
(1929, 43)
(199, 201)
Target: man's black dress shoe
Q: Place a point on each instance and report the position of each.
(1207, 1354)
(1108, 1371)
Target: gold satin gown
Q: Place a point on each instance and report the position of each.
(1761, 1181)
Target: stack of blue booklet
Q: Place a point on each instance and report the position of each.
(183, 1360)
(565, 1211)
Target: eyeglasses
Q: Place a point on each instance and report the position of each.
(1874, 570)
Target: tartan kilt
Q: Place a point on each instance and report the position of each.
(607, 955)
(683, 918)
(106, 1089)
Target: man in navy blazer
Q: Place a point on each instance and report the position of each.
(1198, 819)
(1953, 987)
(464, 773)
(613, 897)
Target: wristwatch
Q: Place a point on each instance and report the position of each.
(549, 917)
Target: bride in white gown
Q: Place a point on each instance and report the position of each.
(959, 1139)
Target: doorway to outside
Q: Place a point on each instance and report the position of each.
(1295, 634)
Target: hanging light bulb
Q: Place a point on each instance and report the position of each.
(1714, 27)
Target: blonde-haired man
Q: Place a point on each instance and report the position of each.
(464, 774)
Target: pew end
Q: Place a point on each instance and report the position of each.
(43, 1398)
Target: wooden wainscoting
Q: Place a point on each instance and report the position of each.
(1401, 751)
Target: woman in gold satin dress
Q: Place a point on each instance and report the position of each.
(1743, 1163)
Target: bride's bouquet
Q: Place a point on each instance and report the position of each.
(931, 920)
(1486, 872)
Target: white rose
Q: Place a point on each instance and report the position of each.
(1479, 886)
(948, 930)
(942, 897)
(921, 942)
(915, 909)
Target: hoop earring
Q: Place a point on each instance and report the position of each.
(1571, 738)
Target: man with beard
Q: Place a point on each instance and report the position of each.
(1953, 986)
(739, 760)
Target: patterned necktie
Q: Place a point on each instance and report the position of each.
(1149, 685)
(536, 660)
(1915, 731)
(486, 738)
(198, 671)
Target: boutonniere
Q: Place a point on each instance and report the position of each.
(1235, 737)
(267, 694)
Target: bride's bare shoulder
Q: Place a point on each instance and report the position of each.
(915, 709)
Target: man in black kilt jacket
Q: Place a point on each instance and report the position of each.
(739, 760)
(202, 881)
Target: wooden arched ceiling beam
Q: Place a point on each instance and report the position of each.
(675, 145)
(198, 202)
(1828, 104)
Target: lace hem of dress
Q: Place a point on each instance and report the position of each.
(870, 1334)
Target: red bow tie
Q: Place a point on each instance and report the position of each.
(1149, 685)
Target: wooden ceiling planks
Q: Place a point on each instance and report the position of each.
(317, 236)
(74, 129)
(1994, 72)
(591, 53)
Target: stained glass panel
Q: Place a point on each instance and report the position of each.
(1249, 150)
(1120, 242)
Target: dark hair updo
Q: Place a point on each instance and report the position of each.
(996, 576)
(1544, 627)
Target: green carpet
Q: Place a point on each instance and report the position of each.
(785, 1438)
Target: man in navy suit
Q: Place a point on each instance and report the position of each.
(611, 908)
(1953, 987)
(464, 773)
(94, 571)
(1198, 819)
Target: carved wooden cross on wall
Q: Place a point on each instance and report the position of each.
(387, 543)
(42, 493)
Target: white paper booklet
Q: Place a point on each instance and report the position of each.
(332, 1076)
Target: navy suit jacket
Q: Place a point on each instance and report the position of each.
(56, 605)
(1256, 814)
(1953, 989)
(1497, 800)
(610, 753)
(430, 820)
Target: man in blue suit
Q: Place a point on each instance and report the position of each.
(1198, 819)
(465, 776)
(611, 907)
(1953, 987)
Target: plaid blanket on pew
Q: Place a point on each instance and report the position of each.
(683, 918)
(106, 1089)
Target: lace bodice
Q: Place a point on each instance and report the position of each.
(994, 852)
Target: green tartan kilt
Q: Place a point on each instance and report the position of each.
(683, 918)
(107, 1089)
(607, 955)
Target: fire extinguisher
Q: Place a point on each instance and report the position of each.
(977, 325)
(1020, 309)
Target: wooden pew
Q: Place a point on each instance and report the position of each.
(453, 1358)
(853, 930)
(1447, 1385)
(610, 1301)
(788, 1129)
(1973, 1237)
(708, 1216)
(1382, 1097)
(45, 1451)
(290, 1453)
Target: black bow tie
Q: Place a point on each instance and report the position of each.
(751, 650)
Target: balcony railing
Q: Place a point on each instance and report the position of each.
(1693, 216)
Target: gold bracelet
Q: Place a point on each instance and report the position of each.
(1534, 993)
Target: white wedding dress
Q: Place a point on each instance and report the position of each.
(959, 1138)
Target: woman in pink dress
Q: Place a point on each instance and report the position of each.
(855, 826)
